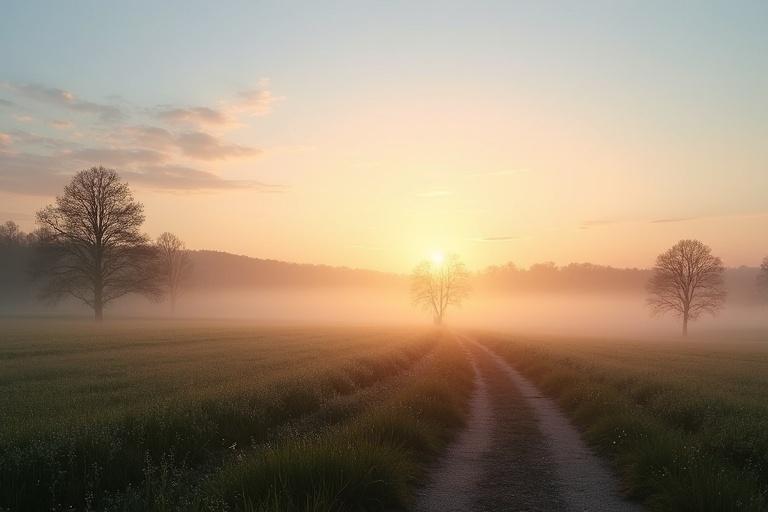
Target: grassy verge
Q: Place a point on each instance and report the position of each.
(150, 456)
(369, 463)
(686, 427)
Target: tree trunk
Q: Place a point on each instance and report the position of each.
(98, 304)
(685, 325)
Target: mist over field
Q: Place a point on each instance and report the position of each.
(577, 300)
(571, 313)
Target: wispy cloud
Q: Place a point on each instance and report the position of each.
(45, 175)
(204, 146)
(66, 100)
(61, 125)
(161, 157)
(6, 103)
(26, 173)
(118, 157)
(229, 113)
(173, 177)
(198, 116)
(25, 138)
(255, 102)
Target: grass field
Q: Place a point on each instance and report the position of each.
(161, 416)
(201, 416)
(686, 423)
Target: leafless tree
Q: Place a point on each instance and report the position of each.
(93, 248)
(435, 286)
(687, 281)
(174, 265)
(11, 234)
(762, 277)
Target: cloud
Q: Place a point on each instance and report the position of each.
(23, 138)
(23, 118)
(26, 173)
(46, 175)
(255, 102)
(249, 103)
(435, 193)
(159, 157)
(200, 116)
(197, 145)
(117, 157)
(6, 103)
(175, 177)
(67, 100)
(61, 125)
(145, 136)
(204, 146)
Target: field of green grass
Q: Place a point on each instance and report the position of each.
(196, 416)
(685, 423)
(202, 416)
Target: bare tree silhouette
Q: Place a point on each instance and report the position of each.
(687, 281)
(435, 286)
(175, 265)
(762, 277)
(93, 248)
(11, 234)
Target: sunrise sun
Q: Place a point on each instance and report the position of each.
(438, 257)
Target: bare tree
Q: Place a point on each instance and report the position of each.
(93, 248)
(762, 277)
(437, 285)
(11, 234)
(175, 265)
(687, 281)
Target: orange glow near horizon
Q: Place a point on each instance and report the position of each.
(349, 152)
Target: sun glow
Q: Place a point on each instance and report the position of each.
(438, 257)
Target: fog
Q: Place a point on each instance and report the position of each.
(577, 300)
(563, 313)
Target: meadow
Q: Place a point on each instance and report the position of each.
(205, 416)
(685, 423)
(227, 416)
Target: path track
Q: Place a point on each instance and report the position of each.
(518, 452)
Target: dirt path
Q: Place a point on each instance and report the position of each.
(517, 452)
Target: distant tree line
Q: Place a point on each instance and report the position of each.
(89, 246)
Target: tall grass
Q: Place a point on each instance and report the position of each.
(150, 453)
(686, 426)
(369, 463)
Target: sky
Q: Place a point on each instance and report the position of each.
(371, 134)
